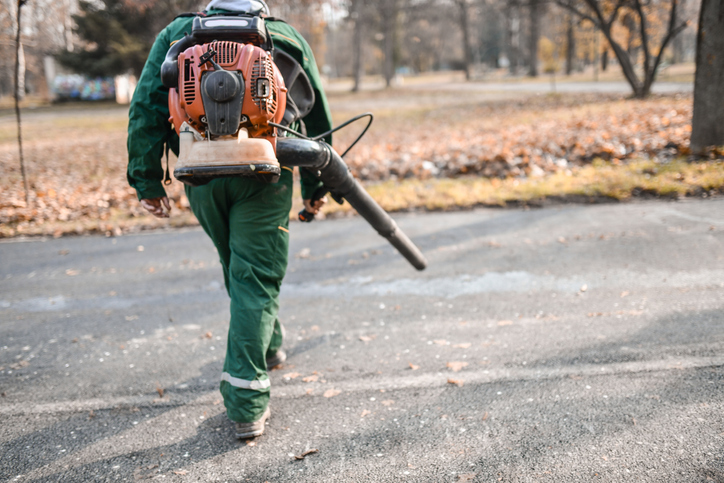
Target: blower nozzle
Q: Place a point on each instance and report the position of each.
(334, 173)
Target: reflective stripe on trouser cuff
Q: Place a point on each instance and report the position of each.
(243, 383)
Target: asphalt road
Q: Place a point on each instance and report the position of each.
(570, 343)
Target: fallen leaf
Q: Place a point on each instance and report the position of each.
(505, 322)
(365, 413)
(464, 345)
(456, 366)
(310, 379)
(440, 342)
(19, 365)
(160, 391)
(304, 455)
(457, 382)
(180, 472)
(331, 393)
(413, 366)
(291, 375)
(485, 416)
(388, 402)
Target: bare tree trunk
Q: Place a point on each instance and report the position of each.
(708, 122)
(570, 45)
(389, 26)
(17, 103)
(511, 38)
(357, 64)
(464, 12)
(535, 14)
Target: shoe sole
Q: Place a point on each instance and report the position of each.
(256, 432)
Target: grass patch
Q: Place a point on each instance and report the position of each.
(592, 183)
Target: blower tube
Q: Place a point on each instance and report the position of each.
(335, 175)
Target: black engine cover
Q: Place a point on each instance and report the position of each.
(222, 93)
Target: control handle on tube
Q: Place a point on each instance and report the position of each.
(306, 216)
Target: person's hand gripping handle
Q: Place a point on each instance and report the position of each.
(313, 205)
(156, 206)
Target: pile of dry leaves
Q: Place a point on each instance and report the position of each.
(527, 139)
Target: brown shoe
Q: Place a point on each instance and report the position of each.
(252, 430)
(276, 359)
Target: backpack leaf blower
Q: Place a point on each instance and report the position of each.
(232, 98)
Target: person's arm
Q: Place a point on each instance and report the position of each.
(149, 130)
(319, 119)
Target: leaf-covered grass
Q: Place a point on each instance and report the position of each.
(429, 150)
(598, 182)
(595, 182)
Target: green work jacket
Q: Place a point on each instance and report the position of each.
(149, 127)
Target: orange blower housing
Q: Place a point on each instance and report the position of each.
(225, 95)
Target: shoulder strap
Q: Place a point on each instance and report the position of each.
(190, 14)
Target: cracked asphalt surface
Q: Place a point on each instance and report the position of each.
(568, 343)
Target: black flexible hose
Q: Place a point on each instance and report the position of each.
(335, 175)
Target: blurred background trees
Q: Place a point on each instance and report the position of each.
(385, 38)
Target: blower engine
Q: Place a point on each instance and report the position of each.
(225, 88)
(231, 92)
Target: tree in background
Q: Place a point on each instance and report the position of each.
(389, 18)
(605, 13)
(512, 36)
(570, 44)
(708, 123)
(116, 35)
(464, 15)
(357, 16)
(535, 10)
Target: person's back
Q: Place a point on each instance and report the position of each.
(246, 219)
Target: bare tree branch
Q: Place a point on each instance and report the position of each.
(673, 31)
(571, 8)
(614, 13)
(644, 35)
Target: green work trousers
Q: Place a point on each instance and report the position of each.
(248, 222)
